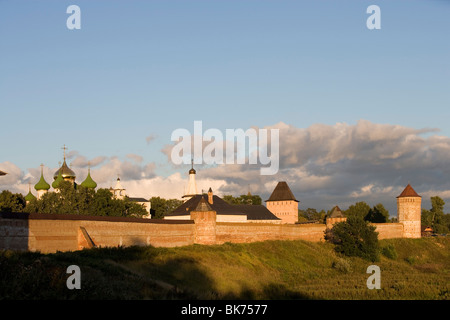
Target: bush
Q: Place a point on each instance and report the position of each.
(342, 265)
(355, 237)
(389, 252)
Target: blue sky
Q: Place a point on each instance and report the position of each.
(145, 68)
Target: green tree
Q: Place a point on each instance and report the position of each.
(355, 237)
(437, 210)
(359, 209)
(312, 214)
(11, 202)
(161, 206)
(243, 199)
(377, 214)
(84, 201)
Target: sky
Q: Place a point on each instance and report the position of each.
(361, 113)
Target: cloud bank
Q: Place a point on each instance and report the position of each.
(325, 165)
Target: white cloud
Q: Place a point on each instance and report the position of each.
(325, 165)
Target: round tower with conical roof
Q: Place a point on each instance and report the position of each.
(42, 186)
(409, 210)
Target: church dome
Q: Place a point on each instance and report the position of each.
(29, 196)
(42, 184)
(65, 171)
(89, 182)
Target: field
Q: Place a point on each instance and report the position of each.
(411, 269)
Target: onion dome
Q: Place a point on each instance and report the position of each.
(65, 171)
(192, 171)
(42, 184)
(29, 196)
(89, 182)
(57, 181)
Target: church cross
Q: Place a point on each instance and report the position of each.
(64, 148)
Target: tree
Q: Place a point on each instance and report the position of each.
(435, 217)
(243, 199)
(84, 201)
(11, 202)
(355, 237)
(311, 214)
(161, 206)
(378, 214)
(359, 209)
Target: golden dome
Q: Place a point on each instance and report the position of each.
(66, 172)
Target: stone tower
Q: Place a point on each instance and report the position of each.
(205, 223)
(283, 204)
(335, 216)
(409, 210)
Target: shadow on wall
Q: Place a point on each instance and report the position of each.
(14, 231)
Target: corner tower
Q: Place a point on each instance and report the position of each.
(409, 210)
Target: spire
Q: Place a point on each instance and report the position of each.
(64, 152)
(192, 171)
(192, 186)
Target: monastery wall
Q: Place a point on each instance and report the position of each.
(389, 230)
(251, 232)
(50, 233)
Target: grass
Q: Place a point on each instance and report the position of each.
(410, 269)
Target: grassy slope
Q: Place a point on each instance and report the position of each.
(262, 270)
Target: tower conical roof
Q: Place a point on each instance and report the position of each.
(282, 192)
(336, 213)
(408, 192)
(89, 182)
(203, 206)
(42, 184)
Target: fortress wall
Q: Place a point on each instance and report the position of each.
(13, 234)
(251, 232)
(51, 233)
(389, 230)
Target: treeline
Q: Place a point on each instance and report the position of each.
(375, 214)
(70, 200)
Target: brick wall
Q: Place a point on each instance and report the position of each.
(51, 233)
